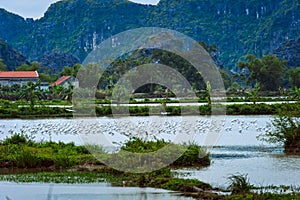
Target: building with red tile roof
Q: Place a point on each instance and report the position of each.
(65, 81)
(9, 78)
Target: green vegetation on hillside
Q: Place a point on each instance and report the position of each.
(236, 27)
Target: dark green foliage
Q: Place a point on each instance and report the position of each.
(267, 71)
(3, 67)
(64, 160)
(294, 77)
(103, 111)
(16, 139)
(31, 93)
(137, 145)
(20, 151)
(34, 66)
(257, 109)
(184, 185)
(26, 159)
(10, 110)
(192, 155)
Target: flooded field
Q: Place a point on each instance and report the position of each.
(236, 149)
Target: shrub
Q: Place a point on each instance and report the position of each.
(183, 185)
(26, 159)
(191, 155)
(284, 129)
(16, 138)
(239, 184)
(64, 160)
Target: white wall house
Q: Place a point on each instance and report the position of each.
(21, 78)
(65, 81)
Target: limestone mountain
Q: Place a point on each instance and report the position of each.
(237, 27)
(11, 57)
(289, 51)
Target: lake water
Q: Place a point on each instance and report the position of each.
(236, 148)
(38, 191)
(264, 166)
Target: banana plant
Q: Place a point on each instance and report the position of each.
(253, 94)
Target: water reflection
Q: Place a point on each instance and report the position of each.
(37, 191)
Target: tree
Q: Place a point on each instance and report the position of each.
(294, 77)
(58, 92)
(3, 67)
(284, 129)
(267, 71)
(227, 80)
(70, 71)
(234, 88)
(69, 92)
(253, 93)
(31, 93)
(34, 66)
(67, 71)
(48, 77)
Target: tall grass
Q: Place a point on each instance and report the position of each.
(239, 184)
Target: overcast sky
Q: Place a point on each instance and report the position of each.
(36, 8)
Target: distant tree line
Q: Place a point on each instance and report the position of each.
(268, 73)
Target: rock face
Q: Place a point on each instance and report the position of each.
(237, 27)
(11, 57)
(56, 61)
(290, 51)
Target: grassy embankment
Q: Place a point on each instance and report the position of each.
(21, 152)
(66, 163)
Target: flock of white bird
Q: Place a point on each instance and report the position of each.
(143, 127)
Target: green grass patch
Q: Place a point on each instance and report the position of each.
(22, 152)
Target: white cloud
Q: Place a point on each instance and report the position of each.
(36, 8)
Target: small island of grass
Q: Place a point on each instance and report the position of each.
(24, 160)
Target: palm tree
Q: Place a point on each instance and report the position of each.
(31, 93)
(69, 92)
(58, 92)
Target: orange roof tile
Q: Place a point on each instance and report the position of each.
(19, 74)
(60, 80)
